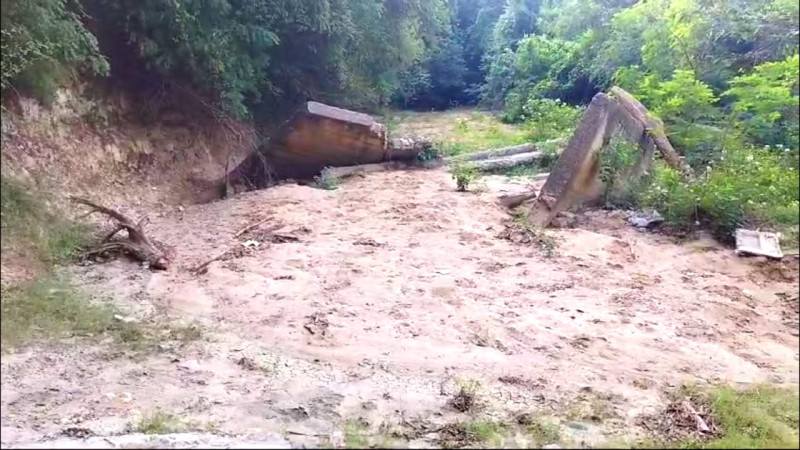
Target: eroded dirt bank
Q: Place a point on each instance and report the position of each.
(373, 302)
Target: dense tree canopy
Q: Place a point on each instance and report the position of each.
(722, 74)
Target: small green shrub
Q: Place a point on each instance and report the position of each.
(428, 155)
(159, 422)
(327, 180)
(464, 174)
(546, 119)
(485, 431)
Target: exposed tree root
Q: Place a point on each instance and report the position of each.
(137, 244)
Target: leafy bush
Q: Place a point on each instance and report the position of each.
(687, 107)
(766, 102)
(464, 174)
(615, 163)
(747, 187)
(547, 119)
(42, 40)
(671, 196)
(428, 155)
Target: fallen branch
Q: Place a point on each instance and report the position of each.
(200, 268)
(137, 244)
(250, 227)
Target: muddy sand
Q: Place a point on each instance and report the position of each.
(374, 302)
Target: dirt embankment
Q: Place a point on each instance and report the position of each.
(126, 153)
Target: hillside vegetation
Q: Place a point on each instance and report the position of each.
(722, 74)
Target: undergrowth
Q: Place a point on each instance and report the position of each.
(478, 131)
(48, 307)
(27, 223)
(159, 422)
(746, 188)
(761, 416)
(51, 308)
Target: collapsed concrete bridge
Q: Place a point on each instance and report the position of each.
(319, 136)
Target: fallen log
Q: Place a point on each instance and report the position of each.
(493, 153)
(349, 171)
(137, 244)
(505, 162)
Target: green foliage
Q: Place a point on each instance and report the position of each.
(766, 102)
(749, 187)
(41, 40)
(687, 107)
(543, 433)
(546, 119)
(615, 163)
(26, 221)
(464, 174)
(485, 431)
(762, 416)
(746, 187)
(355, 434)
(671, 197)
(428, 155)
(159, 422)
(50, 308)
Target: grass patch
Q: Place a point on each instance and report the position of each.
(486, 431)
(355, 435)
(468, 434)
(758, 417)
(543, 433)
(159, 422)
(26, 222)
(762, 416)
(457, 131)
(50, 309)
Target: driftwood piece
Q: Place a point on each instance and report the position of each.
(506, 162)
(137, 244)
